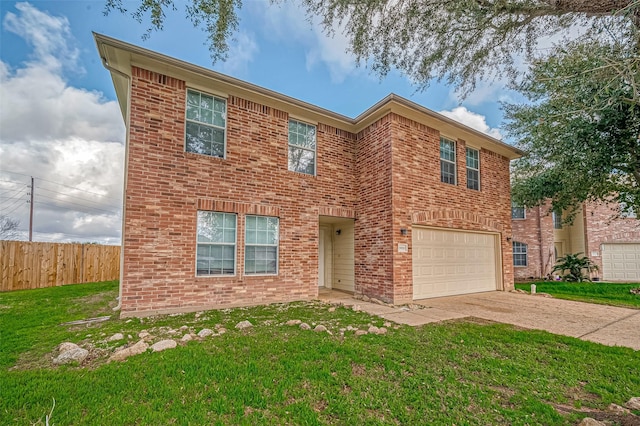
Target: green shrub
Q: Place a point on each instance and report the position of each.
(579, 267)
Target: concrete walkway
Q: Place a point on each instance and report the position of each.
(587, 321)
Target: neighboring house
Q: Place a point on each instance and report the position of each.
(237, 195)
(599, 231)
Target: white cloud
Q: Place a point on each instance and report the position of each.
(69, 138)
(473, 120)
(241, 54)
(288, 24)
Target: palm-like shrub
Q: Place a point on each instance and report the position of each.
(578, 266)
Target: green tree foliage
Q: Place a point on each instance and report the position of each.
(456, 41)
(576, 266)
(581, 129)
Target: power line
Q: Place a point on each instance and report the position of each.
(74, 196)
(61, 184)
(16, 208)
(60, 204)
(12, 204)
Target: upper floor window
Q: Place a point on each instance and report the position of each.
(261, 245)
(216, 243)
(517, 212)
(206, 123)
(519, 254)
(447, 161)
(473, 169)
(302, 147)
(557, 220)
(627, 212)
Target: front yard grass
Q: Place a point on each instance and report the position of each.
(464, 372)
(595, 292)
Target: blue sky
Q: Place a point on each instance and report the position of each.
(60, 124)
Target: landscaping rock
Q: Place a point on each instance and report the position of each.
(320, 328)
(243, 325)
(633, 403)
(163, 345)
(332, 309)
(355, 308)
(184, 328)
(293, 322)
(375, 330)
(360, 332)
(67, 346)
(186, 338)
(205, 332)
(73, 355)
(305, 326)
(125, 353)
(117, 336)
(144, 334)
(615, 408)
(588, 421)
(351, 328)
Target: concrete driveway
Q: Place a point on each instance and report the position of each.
(587, 321)
(597, 323)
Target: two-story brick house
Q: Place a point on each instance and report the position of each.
(610, 239)
(237, 195)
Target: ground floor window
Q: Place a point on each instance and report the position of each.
(519, 254)
(261, 245)
(216, 243)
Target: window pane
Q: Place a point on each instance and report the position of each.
(473, 181)
(203, 111)
(301, 160)
(447, 150)
(261, 251)
(447, 172)
(517, 212)
(213, 258)
(473, 160)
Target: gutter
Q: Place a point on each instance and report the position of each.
(105, 64)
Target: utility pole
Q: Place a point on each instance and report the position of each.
(31, 213)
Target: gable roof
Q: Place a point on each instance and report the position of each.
(118, 57)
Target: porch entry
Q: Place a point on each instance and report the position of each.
(336, 253)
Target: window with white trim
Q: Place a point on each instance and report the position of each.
(517, 212)
(473, 169)
(519, 254)
(206, 123)
(216, 243)
(261, 245)
(447, 161)
(302, 147)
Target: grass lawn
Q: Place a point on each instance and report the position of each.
(462, 373)
(596, 292)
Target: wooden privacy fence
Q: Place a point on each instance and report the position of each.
(26, 265)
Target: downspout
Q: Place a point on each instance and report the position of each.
(126, 167)
(542, 268)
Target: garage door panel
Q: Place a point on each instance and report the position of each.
(621, 262)
(447, 262)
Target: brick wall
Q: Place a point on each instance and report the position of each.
(166, 186)
(388, 177)
(420, 198)
(603, 225)
(536, 231)
(373, 229)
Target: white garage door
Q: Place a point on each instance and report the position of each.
(621, 262)
(449, 262)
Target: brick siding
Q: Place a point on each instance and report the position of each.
(386, 178)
